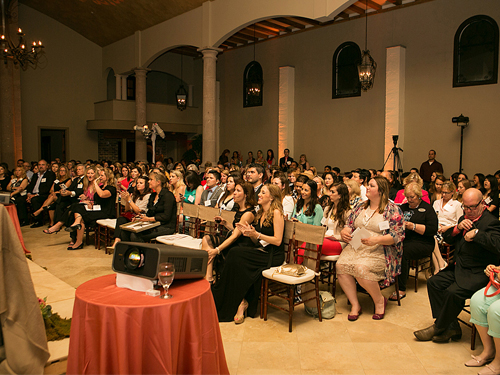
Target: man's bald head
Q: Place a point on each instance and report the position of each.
(473, 203)
(473, 195)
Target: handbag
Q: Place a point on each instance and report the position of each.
(291, 270)
(327, 303)
(494, 283)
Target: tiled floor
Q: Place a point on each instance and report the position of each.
(334, 346)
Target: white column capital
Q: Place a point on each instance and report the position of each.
(141, 72)
(209, 52)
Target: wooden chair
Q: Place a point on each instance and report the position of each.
(329, 271)
(419, 265)
(104, 233)
(207, 224)
(466, 309)
(310, 238)
(447, 251)
(189, 219)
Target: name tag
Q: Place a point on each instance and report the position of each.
(207, 203)
(190, 199)
(55, 182)
(43, 180)
(96, 207)
(383, 225)
(488, 200)
(80, 186)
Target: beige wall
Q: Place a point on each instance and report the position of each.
(349, 132)
(62, 92)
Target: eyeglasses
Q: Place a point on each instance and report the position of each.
(446, 192)
(470, 208)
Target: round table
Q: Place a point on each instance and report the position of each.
(120, 331)
(12, 210)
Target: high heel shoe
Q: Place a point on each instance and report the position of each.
(476, 362)
(73, 228)
(354, 317)
(238, 319)
(76, 248)
(445, 265)
(47, 231)
(380, 316)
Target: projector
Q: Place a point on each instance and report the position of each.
(143, 259)
(4, 198)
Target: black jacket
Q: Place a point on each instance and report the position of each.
(48, 179)
(473, 257)
(165, 210)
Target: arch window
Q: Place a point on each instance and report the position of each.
(475, 55)
(345, 82)
(253, 85)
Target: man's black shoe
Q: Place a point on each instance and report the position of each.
(36, 225)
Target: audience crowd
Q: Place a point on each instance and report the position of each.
(404, 217)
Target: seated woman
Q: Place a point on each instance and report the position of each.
(124, 180)
(135, 204)
(4, 178)
(102, 207)
(334, 218)
(288, 202)
(260, 158)
(490, 194)
(378, 258)
(485, 313)
(62, 182)
(17, 187)
(244, 203)
(461, 187)
(448, 212)
(323, 192)
(307, 210)
(412, 177)
(270, 158)
(329, 179)
(177, 186)
(238, 289)
(192, 194)
(436, 186)
(226, 201)
(303, 163)
(134, 173)
(354, 192)
(421, 225)
(161, 207)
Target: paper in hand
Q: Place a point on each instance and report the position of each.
(357, 236)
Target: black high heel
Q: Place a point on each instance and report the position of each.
(73, 228)
(47, 231)
(76, 248)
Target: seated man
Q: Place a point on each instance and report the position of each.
(211, 195)
(477, 242)
(39, 189)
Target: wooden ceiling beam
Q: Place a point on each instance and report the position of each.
(356, 9)
(249, 31)
(304, 21)
(396, 2)
(288, 21)
(264, 30)
(373, 5)
(237, 40)
(229, 44)
(248, 38)
(273, 26)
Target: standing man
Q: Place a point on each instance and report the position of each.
(429, 166)
(255, 172)
(477, 242)
(286, 161)
(39, 190)
(213, 191)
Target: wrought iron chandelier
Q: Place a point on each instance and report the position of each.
(18, 52)
(368, 66)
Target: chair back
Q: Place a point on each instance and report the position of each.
(309, 238)
(288, 239)
(207, 213)
(228, 216)
(190, 210)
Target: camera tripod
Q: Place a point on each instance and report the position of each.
(396, 162)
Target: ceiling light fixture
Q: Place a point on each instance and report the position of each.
(368, 66)
(19, 53)
(181, 94)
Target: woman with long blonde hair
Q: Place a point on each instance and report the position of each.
(177, 186)
(238, 289)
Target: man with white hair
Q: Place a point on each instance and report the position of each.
(477, 244)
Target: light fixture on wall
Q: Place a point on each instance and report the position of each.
(368, 66)
(150, 134)
(181, 94)
(463, 122)
(19, 53)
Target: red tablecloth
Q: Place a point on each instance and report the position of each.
(11, 209)
(119, 331)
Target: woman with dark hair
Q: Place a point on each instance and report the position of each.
(124, 181)
(134, 174)
(238, 289)
(135, 204)
(250, 159)
(260, 158)
(490, 194)
(478, 181)
(287, 201)
(307, 210)
(169, 164)
(226, 201)
(224, 157)
(194, 189)
(329, 179)
(377, 260)
(180, 167)
(435, 188)
(161, 207)
(236, 158)
(335, 218)
(270, 158)
(244, 203)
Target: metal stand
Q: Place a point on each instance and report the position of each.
(396, 165)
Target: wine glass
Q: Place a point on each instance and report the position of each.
(166, 273)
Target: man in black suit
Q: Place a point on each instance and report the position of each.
(286, 160)
(255, 173)
(39, 189)
(477, 243)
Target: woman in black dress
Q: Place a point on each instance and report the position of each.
(102, 207)
(244, 203)
(238, 289)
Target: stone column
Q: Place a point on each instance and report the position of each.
(118, 81)
(394, 101)
(286, 111)
(140, 113)
(209, 103)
